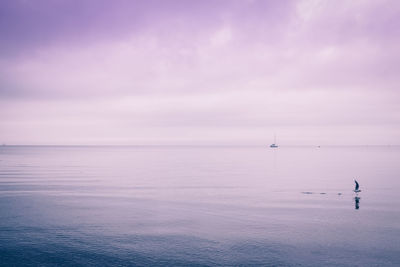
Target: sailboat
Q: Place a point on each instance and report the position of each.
(274, 145)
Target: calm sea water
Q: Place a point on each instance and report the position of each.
(205, 206)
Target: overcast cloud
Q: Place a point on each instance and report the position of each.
(200, 72)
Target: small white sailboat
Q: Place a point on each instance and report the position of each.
(274, 145)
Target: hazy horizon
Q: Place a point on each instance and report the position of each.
(190, 145)
(199, 72)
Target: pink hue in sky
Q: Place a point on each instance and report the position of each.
(200, 72)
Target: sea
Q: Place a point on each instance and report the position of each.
(199, 206)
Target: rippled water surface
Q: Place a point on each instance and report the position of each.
(180, 206)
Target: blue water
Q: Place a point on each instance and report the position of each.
(199, 206)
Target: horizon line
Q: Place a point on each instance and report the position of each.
(188, 145)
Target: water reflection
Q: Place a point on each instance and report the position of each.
(357, 202)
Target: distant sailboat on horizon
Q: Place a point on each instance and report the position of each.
(274, 145)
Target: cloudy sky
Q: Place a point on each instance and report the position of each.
(199, 72)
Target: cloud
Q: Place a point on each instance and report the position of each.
(170, 71)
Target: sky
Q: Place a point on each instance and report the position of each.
(175, 72)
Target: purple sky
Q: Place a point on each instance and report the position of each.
(199, 72)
